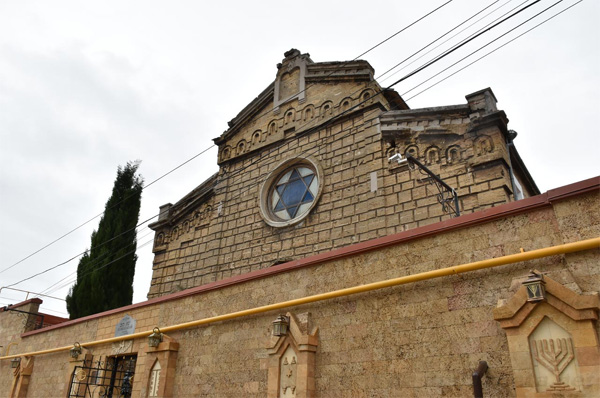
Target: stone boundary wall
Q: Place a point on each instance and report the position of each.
(421, 339)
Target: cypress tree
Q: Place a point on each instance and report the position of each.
(105, 272)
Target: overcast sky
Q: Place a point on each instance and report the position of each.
(87, 86)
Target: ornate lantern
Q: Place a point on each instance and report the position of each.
(15, 362)
(155, 338)
(75, 351)
(281, 325)
(535, 287)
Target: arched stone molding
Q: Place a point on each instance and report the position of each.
(256, 137)
(366, 97)
(291, 365)
(309, 112)
(326, 109)
(412, 150)
(272, 129)
(345, 104)
(159, 380)
(226, 153)
(241, 147)
(289, 117)
(555, 337)
(453, 154)
(432, 155)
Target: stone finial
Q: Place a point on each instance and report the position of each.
(291, 53)
(482, 100)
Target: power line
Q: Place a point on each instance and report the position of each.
(205, 150)
(100, 214)
(485, 45)
(496, 49)
(456, 34)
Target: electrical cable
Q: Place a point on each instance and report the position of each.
(354, 107)
(484, 46)
(423, 48)
(456, 34)
(100, 214)
(211, 146)
(496, 49)
(377, 93)
(96, 261)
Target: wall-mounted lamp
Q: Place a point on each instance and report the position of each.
(281, 325)
(15, 362)
(535, 287)
(75, 351)
(155, 338)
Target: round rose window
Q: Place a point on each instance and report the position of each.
(290, 192)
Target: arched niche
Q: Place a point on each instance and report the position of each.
(291, 365)
(553, 343)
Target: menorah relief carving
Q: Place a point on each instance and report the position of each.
(555, 355)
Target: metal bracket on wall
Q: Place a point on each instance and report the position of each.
(447, 196)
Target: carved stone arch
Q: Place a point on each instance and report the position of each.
(309, 113)
(185, 227)
(300, 344)
(366, 97)
(175, 233)
(241, 147)
(159, 240)
(412, 150)
(432, 155)
(553, 343)
(225, 153)
(326, 109)
(256, 137)
(272, 129)
(289, 116)
(483, 145)
(345, 104)
(453, 154)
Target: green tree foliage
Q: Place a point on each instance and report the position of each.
(105, 272)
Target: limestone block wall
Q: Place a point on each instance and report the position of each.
(364, 196)
(421, 339)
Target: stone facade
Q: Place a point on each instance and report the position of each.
(349, 129)
(421, 339)
(306, 203)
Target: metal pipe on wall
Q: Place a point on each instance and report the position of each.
(489, 263)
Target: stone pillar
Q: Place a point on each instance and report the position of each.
(21, 376)
(158, 375)
(291, 364)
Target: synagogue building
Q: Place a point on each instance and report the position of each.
(348, 246)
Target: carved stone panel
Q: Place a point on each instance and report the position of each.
(553, 358)
(287, 373)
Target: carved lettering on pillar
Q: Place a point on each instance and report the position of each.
(287, 377)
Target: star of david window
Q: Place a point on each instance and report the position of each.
(290, 191)
(294, 193)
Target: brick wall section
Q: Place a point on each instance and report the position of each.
(421, 339)
(463, 144)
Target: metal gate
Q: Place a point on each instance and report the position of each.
(108, 378)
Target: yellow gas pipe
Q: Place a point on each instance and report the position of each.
(494, 262)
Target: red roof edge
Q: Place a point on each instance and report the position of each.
(467, 220)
